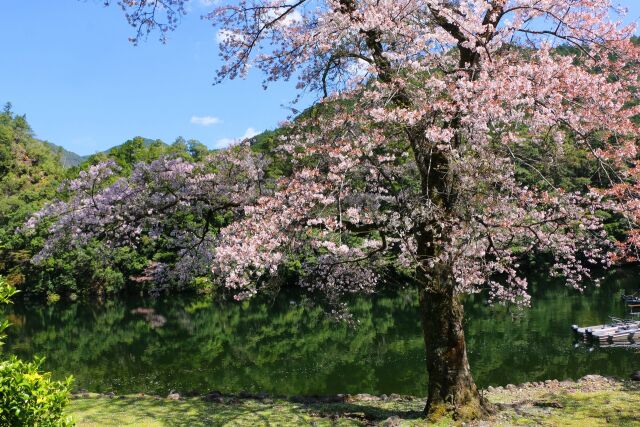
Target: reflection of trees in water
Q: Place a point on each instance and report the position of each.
(280, 348)
(292, 349)
(154, 319)
(537, 344)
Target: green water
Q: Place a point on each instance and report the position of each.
(284, 347)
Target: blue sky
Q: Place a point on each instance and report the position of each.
(69, 66)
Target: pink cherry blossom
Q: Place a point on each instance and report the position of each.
(412, 165)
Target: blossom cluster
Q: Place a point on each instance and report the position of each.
(412, 164)
(176, 203)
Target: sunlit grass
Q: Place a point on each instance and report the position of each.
(149, 411)
(618, 406)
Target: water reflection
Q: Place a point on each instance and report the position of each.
(193, 344)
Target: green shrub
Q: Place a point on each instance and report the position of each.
(29, 397)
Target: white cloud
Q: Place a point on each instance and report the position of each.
(358, 68)
(205, 120)
(227, 36)
(249, 133)
(225, 142)
(190, 5)
(291, 18)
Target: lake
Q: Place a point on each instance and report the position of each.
(285, 346)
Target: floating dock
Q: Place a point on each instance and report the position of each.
(618, 330)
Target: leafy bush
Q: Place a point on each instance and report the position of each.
(31, 398)
(27, 396)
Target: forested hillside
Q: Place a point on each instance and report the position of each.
(30, 173)
(33, 173)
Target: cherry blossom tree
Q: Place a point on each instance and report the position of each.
(412, 166)
(170, 203)
(624, 197)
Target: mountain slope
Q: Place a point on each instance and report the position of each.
(68, 158)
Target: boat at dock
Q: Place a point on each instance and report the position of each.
(624, 327)
(614, 323)
(616, 330)
(631, 299)
(622, 333)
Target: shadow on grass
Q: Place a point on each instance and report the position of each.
(366, 411)
(632, 386)
(148, 411)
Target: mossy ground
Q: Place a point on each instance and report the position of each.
(96, 410)
(592, 402)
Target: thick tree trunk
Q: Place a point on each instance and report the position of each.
(451, 386)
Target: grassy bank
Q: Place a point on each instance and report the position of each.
(592, 401)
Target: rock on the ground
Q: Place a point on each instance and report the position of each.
(635, 376)
(593, 378)
(364, 397)
(173, 396)
(391, 422)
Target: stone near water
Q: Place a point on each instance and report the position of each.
(392, 421)
(592, 378)
(366, 397)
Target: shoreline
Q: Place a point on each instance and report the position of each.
(593, 380)
(591, 400)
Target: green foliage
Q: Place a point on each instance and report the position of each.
(27, 396)
(203, 285)
(31, 172)
(29, 175)
(31, 398)
(6, 292)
